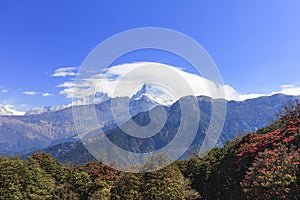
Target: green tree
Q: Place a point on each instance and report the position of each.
(128, 186)
(167, 183)
(51, 166)
(80, 183)
(24, 180)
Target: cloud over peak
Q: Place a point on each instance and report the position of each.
(125, 79)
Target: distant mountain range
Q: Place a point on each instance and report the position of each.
(44, 109)
(152, 93)
(52, 129)
(41, 127)
(241, 118)
(97, 98)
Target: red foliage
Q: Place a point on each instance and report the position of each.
(285, 135)
(101, 172)
(271, 160)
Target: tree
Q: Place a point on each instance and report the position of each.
(80, 183)
(128, 186)
(51, 166)
(167, 183)
(24, 180)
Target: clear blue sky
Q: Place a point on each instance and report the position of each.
(255, 44)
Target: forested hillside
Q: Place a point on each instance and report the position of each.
(260, 165)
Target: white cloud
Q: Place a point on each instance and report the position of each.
(287, 89)
(3, 89)
(46, 94)
(242, 97)
(125, 79)
(65, 71)
(287, 86)
(290, 89)
(33, 93)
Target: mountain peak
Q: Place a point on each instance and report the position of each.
(156, 93)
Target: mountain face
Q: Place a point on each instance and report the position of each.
(241, 117)
(149, 96)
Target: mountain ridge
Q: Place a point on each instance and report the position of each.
(242, 117)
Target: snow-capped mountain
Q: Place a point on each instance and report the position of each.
(9, 110)
(148, 96)
(155, 93)
(99, 97)
(40, 110)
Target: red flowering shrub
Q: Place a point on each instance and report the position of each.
(270, 160)
(103, 176)
(286, 133)
(101, 172)
(272, 174)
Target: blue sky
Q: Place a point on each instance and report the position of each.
(255, 44)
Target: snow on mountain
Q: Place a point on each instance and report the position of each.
(9, 110)
(155, 93)
(149, 95)
(40, 110)
(99, 97)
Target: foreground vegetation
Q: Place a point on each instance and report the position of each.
(260, 165)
